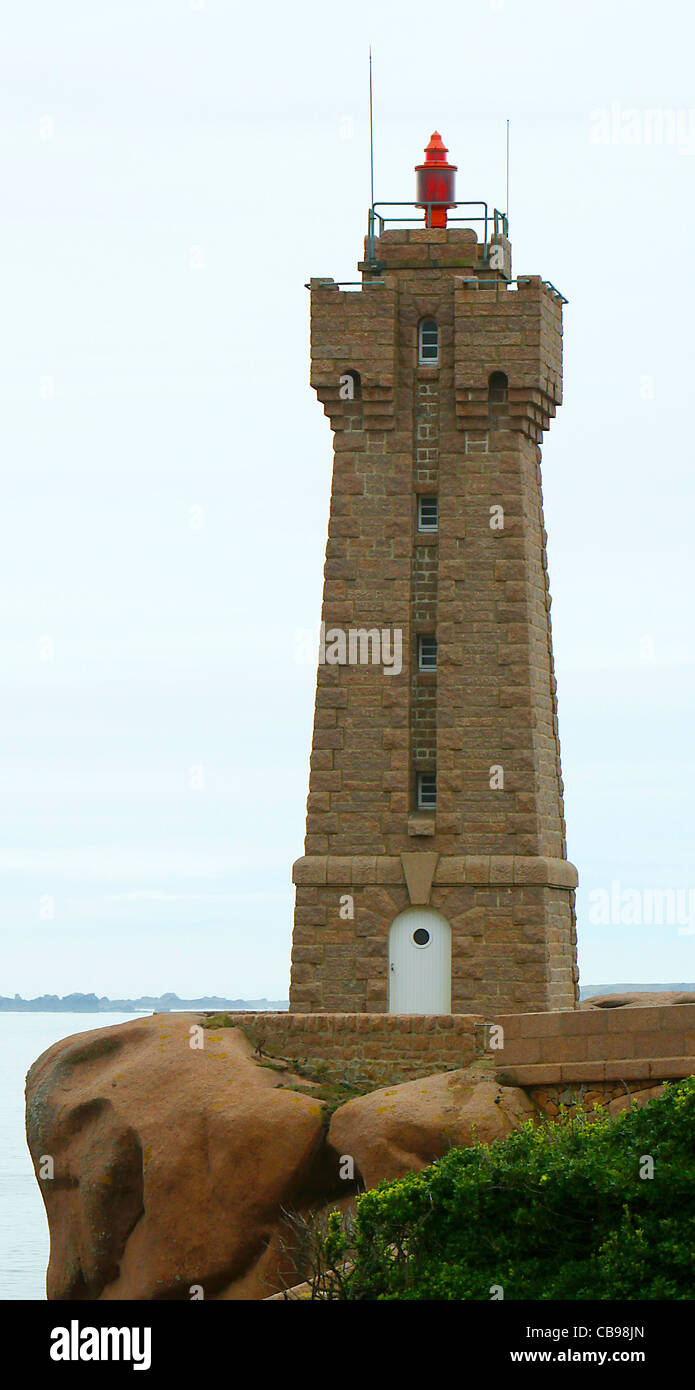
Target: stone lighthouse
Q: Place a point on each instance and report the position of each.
(435, 878)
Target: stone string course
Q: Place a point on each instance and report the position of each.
(478, 869)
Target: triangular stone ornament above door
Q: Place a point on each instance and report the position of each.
(419, 872)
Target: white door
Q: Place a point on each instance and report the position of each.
(420, 963)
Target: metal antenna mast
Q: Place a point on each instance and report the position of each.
(371, 133)
(507, 197)
(370, 221)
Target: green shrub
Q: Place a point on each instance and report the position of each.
(553, 1211)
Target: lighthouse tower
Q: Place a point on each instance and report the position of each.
(435, 876)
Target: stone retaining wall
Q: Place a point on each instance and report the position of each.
(388, 1047)
(561, 1098)
(654, 1043)
(576, 1047)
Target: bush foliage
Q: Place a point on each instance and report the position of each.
(561, 1211)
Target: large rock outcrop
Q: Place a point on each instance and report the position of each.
(401, 1129)
(174, 1165)
(638, 999)
(171, 1162)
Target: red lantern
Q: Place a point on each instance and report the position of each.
(435, 183)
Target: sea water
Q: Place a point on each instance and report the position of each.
(24, 1240)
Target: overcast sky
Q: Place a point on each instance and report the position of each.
(173, 172)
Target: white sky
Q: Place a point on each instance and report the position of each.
(173, 173)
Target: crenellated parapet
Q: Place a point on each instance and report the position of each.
(514, 328)
(354, 333)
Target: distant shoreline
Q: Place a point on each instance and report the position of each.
(170, 1003)
(677, 987)
(163, 1003)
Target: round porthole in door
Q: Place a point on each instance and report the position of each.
(421, 936)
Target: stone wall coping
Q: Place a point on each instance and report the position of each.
(363, 1022)
(645, 1018)
(510, 870)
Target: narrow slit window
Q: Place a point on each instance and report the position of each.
(499, 388)
(428, 513)
(428, 343)
(426, 791)
(427, 653)
(350, 386)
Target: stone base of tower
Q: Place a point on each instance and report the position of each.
(512, 923)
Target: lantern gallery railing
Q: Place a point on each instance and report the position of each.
(342, 284)
(494, 221)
